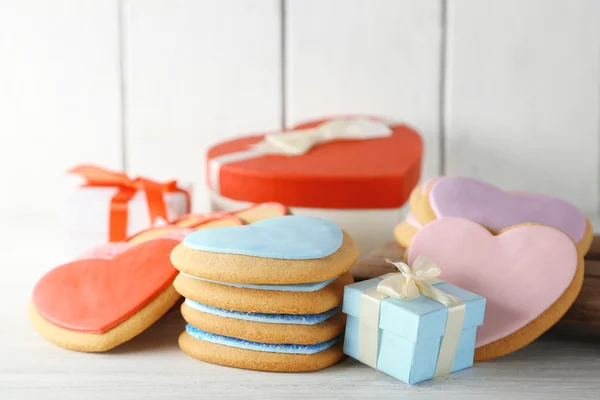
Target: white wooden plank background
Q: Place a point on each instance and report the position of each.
(59, 98)
(197, 72)
(506, 90)
(523, 95)
(370, 57)
(503, 90)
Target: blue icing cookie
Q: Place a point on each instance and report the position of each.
(291, 237)
(257, 346)
(297, 319)
(299, 287)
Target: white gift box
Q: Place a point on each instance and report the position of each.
(86, 216)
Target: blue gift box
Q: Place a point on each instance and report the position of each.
(411, 331)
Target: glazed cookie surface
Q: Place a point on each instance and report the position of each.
(529, 274)
(95, 295)
(267, 331)
(100, 342)
(283, 250)
(96, 304)
(263, 301)
(221, 354)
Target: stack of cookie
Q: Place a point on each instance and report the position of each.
(265, 296)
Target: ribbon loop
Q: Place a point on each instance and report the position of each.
(408, 284)
(127, 188)
(299, 142)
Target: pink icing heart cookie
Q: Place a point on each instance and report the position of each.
(497, 209)
(530, 275)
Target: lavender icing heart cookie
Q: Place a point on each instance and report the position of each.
(496, 209)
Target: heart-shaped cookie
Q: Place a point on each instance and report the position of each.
(530, 275)
(496, 209)
(95, 295)
(181, 231)
(191, 220)
(261, 211)
(289, 237)
(248, 215)
(286, 250)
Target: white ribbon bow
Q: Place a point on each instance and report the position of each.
(295, 143)
(411, 281)
(299, 142)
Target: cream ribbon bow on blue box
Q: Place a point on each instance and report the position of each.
(409, 283)
(299, 142)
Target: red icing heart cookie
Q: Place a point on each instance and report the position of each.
(95, 295)
(529, 274)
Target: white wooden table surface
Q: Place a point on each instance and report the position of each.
(564, 363)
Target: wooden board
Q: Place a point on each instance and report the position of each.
(196, 73)
(357, 56)
(585, 310)
(59, 99)
(375, 265)
(594, 253)
(522, 103)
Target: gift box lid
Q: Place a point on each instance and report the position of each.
(415, 319)
(343, 174)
